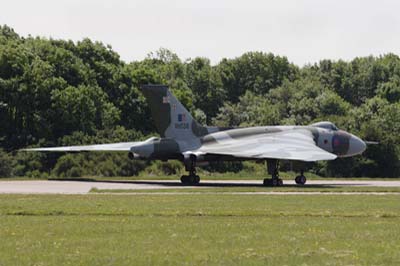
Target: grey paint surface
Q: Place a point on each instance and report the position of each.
(83, 187)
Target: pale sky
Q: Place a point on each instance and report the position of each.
(303, 30)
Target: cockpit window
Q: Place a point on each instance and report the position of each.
(326, 125)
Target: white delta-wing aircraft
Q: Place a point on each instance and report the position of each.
(182, 138)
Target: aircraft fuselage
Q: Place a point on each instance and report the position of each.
(338, 142)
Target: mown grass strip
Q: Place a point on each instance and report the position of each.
(103, 229)
(324, 189)
(201, 214)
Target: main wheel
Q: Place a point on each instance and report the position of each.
(300, 180)
(267, 182)
(192, 179)
(185, 179)
(275, 182)
(197, 179)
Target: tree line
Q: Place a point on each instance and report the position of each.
(60, 92)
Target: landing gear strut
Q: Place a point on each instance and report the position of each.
(273, 170)
(300, 179)
(190, 166)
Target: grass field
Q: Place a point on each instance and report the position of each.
(199, 230)
(243, 175)
(233, 189)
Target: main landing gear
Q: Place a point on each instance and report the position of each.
(273, 170)
(300, 179)
(191, 179)
(190, 166)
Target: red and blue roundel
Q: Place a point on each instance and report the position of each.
(181, 117)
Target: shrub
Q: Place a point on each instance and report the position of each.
(6, 164)
(68, 166)
(172, 167)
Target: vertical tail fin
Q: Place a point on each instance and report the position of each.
(170, 116)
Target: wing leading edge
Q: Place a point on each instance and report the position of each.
(295, 144)
(121, 146)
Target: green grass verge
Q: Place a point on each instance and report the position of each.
(243, 175)
(237, 176)
(308, 188)
(199, 230)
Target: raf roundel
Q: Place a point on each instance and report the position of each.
(181, 117)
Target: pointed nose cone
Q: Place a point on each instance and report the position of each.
(356, 146)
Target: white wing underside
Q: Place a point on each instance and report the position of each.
(122, 146)
(285, 145)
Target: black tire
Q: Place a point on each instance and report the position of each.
(267, 182)
(280, 182)
(303, 180)
(184, 179)
(275, 182)
(197, 179)
(300, 180)
(191, 179)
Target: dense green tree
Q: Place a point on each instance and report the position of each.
(251, 110)
(390, 90)
(254, 71)
(83, 108)
(206, 86)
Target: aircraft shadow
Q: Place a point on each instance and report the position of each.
(169, 183)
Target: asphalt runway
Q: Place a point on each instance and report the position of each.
(84, 186)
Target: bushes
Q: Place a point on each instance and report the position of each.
(29, 164)
(111, 165)
(6, 164)
(165, 168)
(68, 166)
(97, 164)
(221, 167)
